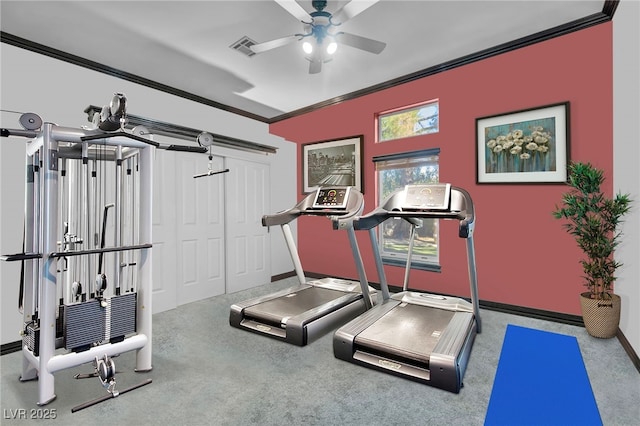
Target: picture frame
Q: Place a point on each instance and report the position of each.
(335, 162)
(525, 146)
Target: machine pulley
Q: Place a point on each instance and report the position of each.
(30, 121)
(206, 139)
(106, 372)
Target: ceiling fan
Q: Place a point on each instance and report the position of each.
(321, 35)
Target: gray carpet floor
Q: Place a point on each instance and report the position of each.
(207, 373)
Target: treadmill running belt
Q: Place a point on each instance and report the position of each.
(409, 331)
(292, 304)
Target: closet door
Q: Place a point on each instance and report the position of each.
(247, 200)
(200, 259)
(164, 232)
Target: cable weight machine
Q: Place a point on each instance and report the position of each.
(87, 261)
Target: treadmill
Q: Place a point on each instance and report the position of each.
(420, 336)
(303, 313)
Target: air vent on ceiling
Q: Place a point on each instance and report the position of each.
(243, 46)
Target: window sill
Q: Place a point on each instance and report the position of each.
(431, 267)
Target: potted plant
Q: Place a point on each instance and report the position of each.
(593, 220)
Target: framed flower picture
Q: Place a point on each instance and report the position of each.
(526, 146)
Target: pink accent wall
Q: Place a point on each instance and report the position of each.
(523, 255)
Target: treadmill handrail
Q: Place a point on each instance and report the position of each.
(461, 209)
(355, 206)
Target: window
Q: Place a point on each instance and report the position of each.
(394, 172)
(412, 121)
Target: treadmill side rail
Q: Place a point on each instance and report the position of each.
(447, 370)
(319, 327)
(454, 335)
(448, 361)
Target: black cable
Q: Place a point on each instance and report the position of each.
(20, 293)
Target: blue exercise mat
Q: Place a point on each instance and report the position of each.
(541, 380)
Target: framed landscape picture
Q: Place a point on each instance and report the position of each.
(333, 162)
(527, 146)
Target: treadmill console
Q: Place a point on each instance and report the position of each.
(331, 198)
(433, 196)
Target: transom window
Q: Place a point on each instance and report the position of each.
(410, 121)
(394, 172)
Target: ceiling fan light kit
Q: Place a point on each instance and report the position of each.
(319, 37)
(332, 47)
(307, 47)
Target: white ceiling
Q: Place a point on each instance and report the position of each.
(185, 45)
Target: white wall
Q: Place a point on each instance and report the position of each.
(59, 92)
(11, 213)
(626, 158)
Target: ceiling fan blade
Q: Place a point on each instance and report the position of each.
(351, 9)
(360, 42)
(268, 45)
(295, 9)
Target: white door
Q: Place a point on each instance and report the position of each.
(164, 231)
(200, 229)
(247, 200)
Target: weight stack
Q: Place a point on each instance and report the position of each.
(122, 316)
(89, 323)
(84, 325)
(31, 338)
